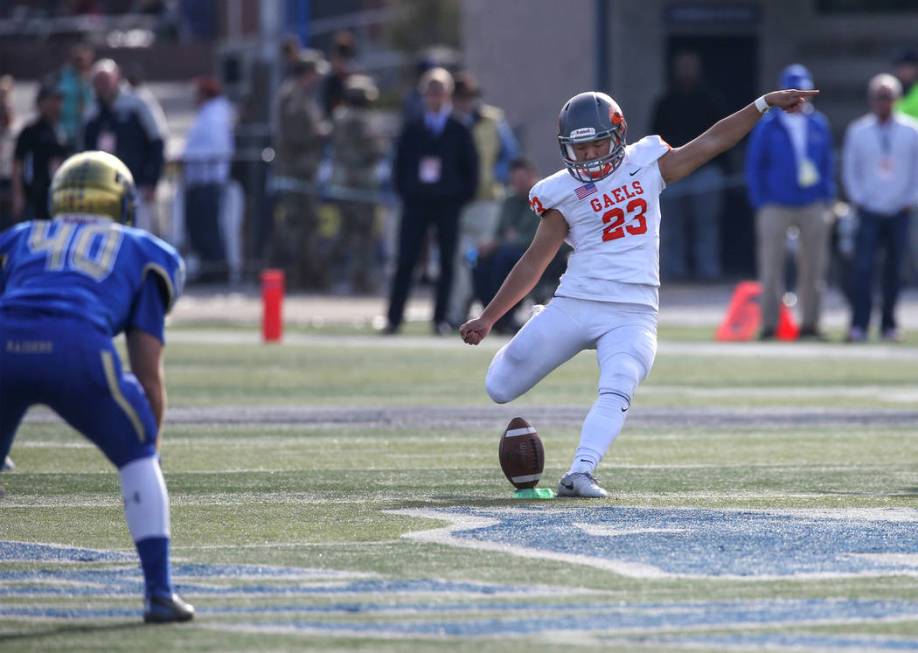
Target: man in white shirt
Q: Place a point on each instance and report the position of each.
(206, 158)
(880, 171)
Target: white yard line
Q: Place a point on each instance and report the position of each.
(285, 545)
(623, 498)
(603, 636)
(887, 393)
(484, 415)
(667, 347)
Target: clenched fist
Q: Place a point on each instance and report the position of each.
(474, 331)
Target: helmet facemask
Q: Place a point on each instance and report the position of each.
(593, 169)
(587, 118)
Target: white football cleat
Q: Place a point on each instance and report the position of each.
(7, 465)
(582, 485)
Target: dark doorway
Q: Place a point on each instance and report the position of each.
(731, 69)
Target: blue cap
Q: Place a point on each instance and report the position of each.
(796, 76)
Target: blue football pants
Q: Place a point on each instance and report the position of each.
(72, 367)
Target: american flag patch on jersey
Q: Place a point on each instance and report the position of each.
(586, 189)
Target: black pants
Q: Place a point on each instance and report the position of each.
(875, 232)
(202, 215)
(416, 221)
(489, 274)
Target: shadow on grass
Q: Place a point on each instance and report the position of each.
(73, 629)
(458, 501)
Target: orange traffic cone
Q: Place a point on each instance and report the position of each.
(744, 315)
(743, 319)
(787, 327)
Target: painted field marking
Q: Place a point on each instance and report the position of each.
(722, 544)
(460, 523)
(330, 603)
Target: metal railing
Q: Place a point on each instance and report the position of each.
(248, 199)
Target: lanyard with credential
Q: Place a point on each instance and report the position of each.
(886, 161)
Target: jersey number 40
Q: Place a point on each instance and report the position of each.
(90, 249)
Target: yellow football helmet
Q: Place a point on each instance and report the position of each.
(95, 183)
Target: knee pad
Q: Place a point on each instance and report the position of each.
(517, 351)
(498, 380)
(611, 403)
(497, 390)
(621, 377)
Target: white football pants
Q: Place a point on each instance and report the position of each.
(624, 337)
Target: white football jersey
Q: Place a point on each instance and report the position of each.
(614, 227)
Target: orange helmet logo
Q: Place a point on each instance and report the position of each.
(615, 117)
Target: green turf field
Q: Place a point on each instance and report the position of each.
(342, 492)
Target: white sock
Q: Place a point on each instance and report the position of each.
(600, 428)
(146, 502)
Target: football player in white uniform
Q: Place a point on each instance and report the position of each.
(605, 204)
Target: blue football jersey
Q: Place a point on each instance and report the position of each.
(86, 267)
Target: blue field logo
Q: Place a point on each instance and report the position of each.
(42, 582)
(692, 543)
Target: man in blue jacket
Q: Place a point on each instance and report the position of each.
(789, 172)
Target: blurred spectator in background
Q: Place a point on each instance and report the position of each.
(341, 58)
(356, 150)
(135, 78)
(208, 151)
(880, 172)
(789, 174)
(693, 207)
(7, 145)
(516, 226)
(413, 105)
(122, 124)
(86, 8)
(290, 54)
(75, 84)
(295, 244)
(496, 147)
(907, 72)
(436, 174)
(40, 149)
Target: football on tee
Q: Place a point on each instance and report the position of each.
(521, 455)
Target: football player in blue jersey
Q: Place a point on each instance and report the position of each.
(68, 286)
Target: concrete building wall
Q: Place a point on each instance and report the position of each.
(637, 51)
(530, 56)
(533, 54)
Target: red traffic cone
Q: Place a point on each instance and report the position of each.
(787, 327)
(272, 302)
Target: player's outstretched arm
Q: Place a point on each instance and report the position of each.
(683, 161)
(146, 355)
(522, 278)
